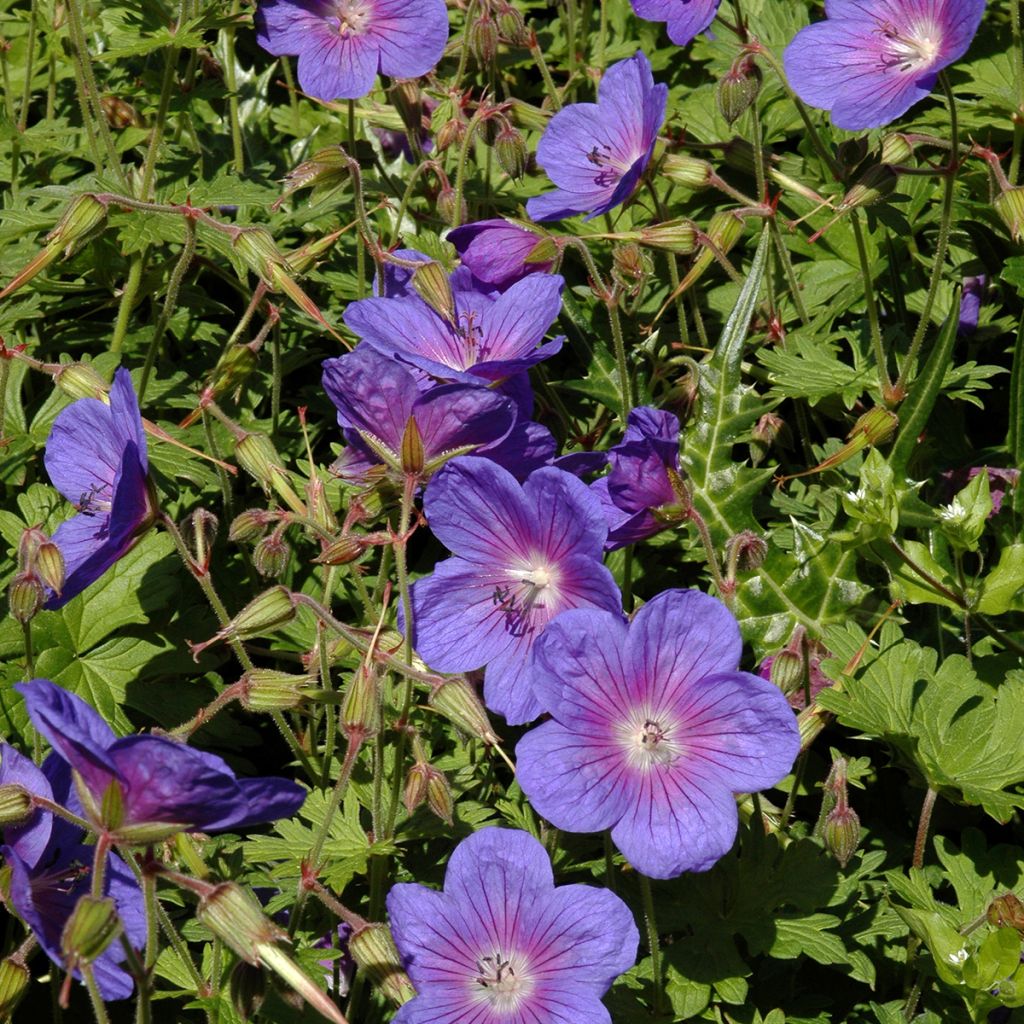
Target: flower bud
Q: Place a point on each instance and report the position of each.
(268, 611)
(249, 525)
(83, 216)
(119, 113)
(412, 453)
(738, 89)
(14, 981)
(93, 925)
(545, 251)
(341, 551)
(687, 171)
(511, 151)
(678, 236)
(49, 566)
(80, 380)
(432, 285)
(320, 510)
(461, 705)
(257, 455)
(511, 25)
(746, 550)
(447, 207)
(851, 152)
(361, 711)
(451, 133)
(724, 230)
(787, 671)
(896, 148)
(415, 786)
(271, 554)
(876, 426)
(767, 429)
(1006, 911)
(876, 184)
(483, 39)
(1009, 204)
(325, 169)
(256, 248)
(247, 986)
(200, 533)
(25, 597)
(234, 915)
(374, 950)
(439, 795)
(15, 804)
(631, 266)
(265, 689)
(841, 833)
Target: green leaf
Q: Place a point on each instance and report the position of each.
(944, 942)
(1002, 590)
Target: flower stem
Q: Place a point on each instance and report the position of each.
(884, 380)
(143, 1012)
(942, 245)
(923, 824)
(231, 80)
(127, 304)
(99, 1008)
(1018, 81)
(460, 169)
(549, 83)
(653, 943)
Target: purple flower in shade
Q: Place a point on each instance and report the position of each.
(653, 731)
(491, 337)
(496, 251)
(970, 304)
(596, 152)
(50, 870)
(686, 18)
(793, 652)
(376, 398)
(160, 781)
(638, 482)
(396, 143)
(342, 44)
(502, 945)
(1000, 482)
(523, 554)
(96, 458)
(872, 60)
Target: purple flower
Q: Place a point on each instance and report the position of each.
(970, 304)
(872, 60)
(496, 251)
(502, 945)
(158, 780)
(396, 143)
(686, 18)
(342, 44)
(1000, 482)
(653, 731)
(377, 397)
(638, 482)
(596, 152)
(523, 555)
(96, 458)
(50, 871)
(491, 336)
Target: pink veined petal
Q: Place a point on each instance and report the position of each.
(83, 452)
(289, 26)
(411, 35)
(512, 326)
(686, 18)
(335, 67)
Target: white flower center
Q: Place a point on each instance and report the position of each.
(502, 981)
(650, 739)
(353, 16)
(913, 49)
(531, 592)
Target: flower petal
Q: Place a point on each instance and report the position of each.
(411, 35)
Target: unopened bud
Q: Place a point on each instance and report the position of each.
(851, 152)
(247, 985)
(448, 208)
(14, 981)
(787, 671)
(746, 550)
(325, 169)
(265, 689)
(15, 804)
(119, 113)
(249, 525)
(876, 184)
(201, 532)
(678, 236)
(25, 597)
(270, 610)
(271, 554)
(257, 455)
(320, 510)
(841, 833)
(511, 151)
(896, 149)
(724, 230)
(432, 285)
(374, 950)
(234, 915)
(483, 39)
(412, 454)
(511, 25)
(738, 89)
(545, 251)
(306, 257)
(1009, 204)
(631, 266)
(341, 551)
(876, 426)
(1006, 911)
(256, 248)
(461, 705)
(768, 428)
(687, 171)
(80, 380)
(85, 214)
(416, 786)
(439, 795)
(361, 711)
(93, 925)
(451, 133)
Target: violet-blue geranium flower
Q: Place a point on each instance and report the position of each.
(596, 152)
(496, 251)
(638, 482)
(502, 945)
(50, 870)
(653, 730)
(342, 44)
(162, 786)
(871, 60)
(490, 337)
(376, 398)
(686, 18)
(523, 554)
(96, 458)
